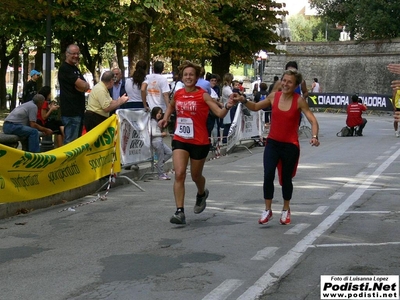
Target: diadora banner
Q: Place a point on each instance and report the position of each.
(27, 176)
(338, 100)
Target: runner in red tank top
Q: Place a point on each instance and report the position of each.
(282, 150)
(190, 141)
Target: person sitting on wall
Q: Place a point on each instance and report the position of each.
(354, 112)
(22, 122)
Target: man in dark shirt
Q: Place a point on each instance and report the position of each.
(30, 88)
(72, 94)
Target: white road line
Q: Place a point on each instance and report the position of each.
(371, 212)
(265, 253)
(223, 291)
(354, 244)
(337, 196)
(287, 261)
(320, 211)
(297, 228)
(380, 157)
(371, 165)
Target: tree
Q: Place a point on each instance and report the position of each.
(251, 27)
(312, 28)
(301, 29)
(365, 20)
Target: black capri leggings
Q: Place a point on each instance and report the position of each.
(289, 155)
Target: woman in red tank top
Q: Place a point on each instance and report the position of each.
(191, 105)
(282, 150)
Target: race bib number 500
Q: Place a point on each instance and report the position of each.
(184, 128)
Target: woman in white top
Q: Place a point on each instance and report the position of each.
(315, 88)
(134, 84)
(226, 92)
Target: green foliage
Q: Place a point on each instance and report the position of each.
(301, 29)
(312, 28)
(367, 19)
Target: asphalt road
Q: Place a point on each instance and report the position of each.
(345, 220)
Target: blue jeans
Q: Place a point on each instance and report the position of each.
(72, 128)
(24, 131)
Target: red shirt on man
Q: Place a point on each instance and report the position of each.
(354, 112)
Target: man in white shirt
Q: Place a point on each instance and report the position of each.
(155, 89)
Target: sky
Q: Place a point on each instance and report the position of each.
(294, 6)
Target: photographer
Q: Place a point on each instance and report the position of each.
(354, 112)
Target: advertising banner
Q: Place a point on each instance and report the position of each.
(29, 176)
(244, 126)
(341, 100)
(135, 143)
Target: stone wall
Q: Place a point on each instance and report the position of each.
(341, 67)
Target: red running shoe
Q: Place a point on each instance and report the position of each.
(265, 217)
(285, 217)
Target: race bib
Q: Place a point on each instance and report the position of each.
(184, 128)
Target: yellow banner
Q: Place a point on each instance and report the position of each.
(29, 176)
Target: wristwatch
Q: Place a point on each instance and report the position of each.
(315, 137)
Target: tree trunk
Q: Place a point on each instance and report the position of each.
(39, 63)
(221, 63)
(175, 64)
(4, 61)
(16, 76)
(138, 44)
(120, 58)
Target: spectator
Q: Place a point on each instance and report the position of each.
(226, 93)
(395, 85)
(160, 148)
(271, 87)
(396, 107)
(315, 87)
(260, 96)
(214, 122)
(155, 89)
(134, 84)
(241, 87)
(256, 88)
(30, 88)
(22, 122)
(100, 103)
(48, 115)
(354, 112)
(118, 88)
(72, 94)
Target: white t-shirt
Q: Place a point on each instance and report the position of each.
(226, 92)
(133, 91)
(316, 87)
(156, 86)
